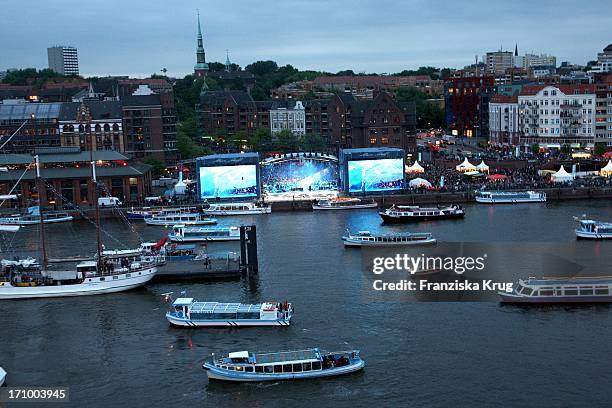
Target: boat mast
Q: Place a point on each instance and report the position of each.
(43, 246)
(95, 195)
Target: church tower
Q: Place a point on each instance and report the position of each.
(201, 67)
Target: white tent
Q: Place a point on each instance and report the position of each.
(465, 166)
(607, 170)
(415, 168)
(482, 167)
(181, 186)
(419, 182)
(561, 176)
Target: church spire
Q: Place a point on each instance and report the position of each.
(201, 67)
(228, 64)
(516, 49)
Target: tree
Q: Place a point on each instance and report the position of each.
(428, 114)
(260, 68)
(262, 140)
(156, 164)
(313, 142)
(600, 149)
(535, 148)
(287, 141)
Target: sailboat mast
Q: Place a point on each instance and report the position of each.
(43, 246)
(95, 196)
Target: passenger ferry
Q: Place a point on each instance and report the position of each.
(238, 209)
(409, 213)
(591, 229)
(190, 313)
(184, 219)
(182, 233)
(181, 252)
(510, 197)
(561, 290)
(246, 366)
(33, 219)
(141, 214)
(344, 204)
(366, 238)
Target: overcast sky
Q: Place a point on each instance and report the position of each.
(138, 38)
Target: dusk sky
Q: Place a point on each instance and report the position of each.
(138, 38)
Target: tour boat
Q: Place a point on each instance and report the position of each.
(237, 209)
(591, 229)
(144, 212)
(244, 366)
(408, 213)
(33, 218)
(560, 290)
(510, 197)
(343, 204)
(183, 219)
(182, 233)
(181, 252)
(190, 313)
(366, 238)
(2, 376)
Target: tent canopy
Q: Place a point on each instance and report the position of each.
(496, 177)
(561, 176)
(483, 167)
(465, 166)
(415, 168)
(419, 182)
(607, 169)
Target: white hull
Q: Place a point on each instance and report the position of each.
(2, 376)
(91, 286)
(203, 239)
(17, 221)
(509, 200)
(358, 243)
(593, 235)
(265, 210)
(227, 323)
(158, 223)
(347, 207)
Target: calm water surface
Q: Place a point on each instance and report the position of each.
(118, 349)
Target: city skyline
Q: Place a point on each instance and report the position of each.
(306, 35)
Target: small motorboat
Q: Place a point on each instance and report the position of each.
(244, 366)
(591, 229)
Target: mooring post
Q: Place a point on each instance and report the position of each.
(248, 249)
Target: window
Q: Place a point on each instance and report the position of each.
(297, 368)
(287, 368)
(601, 291)
(316, 365)
(278, 368)
(586, 291)
(306, 366)
(259, 369)
(248, 369)
(268, 369)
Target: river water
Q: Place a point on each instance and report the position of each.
(118, 349)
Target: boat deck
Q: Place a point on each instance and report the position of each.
(283, 356)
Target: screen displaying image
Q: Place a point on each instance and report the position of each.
(300, 175)
(375, 175)
(228, 181)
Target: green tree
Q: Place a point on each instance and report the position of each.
(313, 142)
(157, 167)
(287, 141)
(600, 149)
(566, 149)
(535, 148)
(260, 68)
(262, 140)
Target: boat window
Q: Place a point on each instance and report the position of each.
(278, 368)
(527, 291)
(268, 369)
(547, 292)
(287, 368)
(316, 365)
(259, 369)
(306, 366)
(601, 291)
(297, 368)
(570, 292)
(239, 368)
(588, 291)
(248, 369)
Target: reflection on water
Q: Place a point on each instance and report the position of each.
(119, 349)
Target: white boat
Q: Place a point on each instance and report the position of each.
(87, 279)
(510, 197)
(33, 218)
(183, 219)
(588, 289)
(591, 229)
(343, 204)
(244, 366)
(408, 213)
(183, 233)
(366, 238)
(190, 313)
(2, 376)
(238, 209)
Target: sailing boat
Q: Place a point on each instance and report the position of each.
(104, 275)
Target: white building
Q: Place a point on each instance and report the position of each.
(542, 60)
(498, 62)
(556, 115)
(283, 117)
(504, 120)
(604, 61)
(63, 60)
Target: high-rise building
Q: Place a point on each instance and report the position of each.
(63, 60)
(503, 120)
(604, 61)
(498, 62)
(467, 105)
(201, 67)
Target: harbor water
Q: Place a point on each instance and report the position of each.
(119, 350)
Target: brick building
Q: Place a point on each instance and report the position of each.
(466, 102)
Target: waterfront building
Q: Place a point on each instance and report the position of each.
(63, 60)
(604, 61)
(603, 111)
(366, 85)
(102, 120)
(552, 116)
(288, 116)
(36, 125)
(467, 105)
(67, 175)
(225, 113)
(504, 120)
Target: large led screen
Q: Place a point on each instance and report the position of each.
(375, 175)
(228, 181)
(300, 175)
